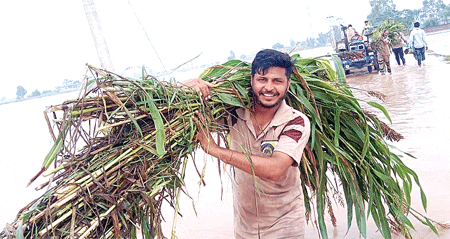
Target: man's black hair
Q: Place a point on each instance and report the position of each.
(268, 58)
(416, 24)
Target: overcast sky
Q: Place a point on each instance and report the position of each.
(44, 42)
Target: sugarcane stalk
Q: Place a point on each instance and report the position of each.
(96, 221)
(55, 223)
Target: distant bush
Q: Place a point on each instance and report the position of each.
(35, 93)
(21, 92)
(432, 22)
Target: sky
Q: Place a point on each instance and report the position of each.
(44, 42)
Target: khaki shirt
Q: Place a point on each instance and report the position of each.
(385, 48)
(264, 208)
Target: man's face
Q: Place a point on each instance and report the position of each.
(386, 33)
(270, 89)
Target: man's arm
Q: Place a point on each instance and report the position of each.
(269, 167)
(424, 40)
(403, 38)
(410, 40)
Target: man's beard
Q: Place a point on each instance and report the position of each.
(257, 101)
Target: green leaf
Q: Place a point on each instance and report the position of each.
(404, 219)
(380, 107)
(19, 231)
(133, 233)
(337, 126)
(159, 125)
(431, 225)
(424, 199)
(134, 121)
(230, 99)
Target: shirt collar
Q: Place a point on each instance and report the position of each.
(283, 114)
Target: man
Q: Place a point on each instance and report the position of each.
(267, 196)
(367, 30)
(351, 33)
(418, 43)
(397, 48)
(384, 53)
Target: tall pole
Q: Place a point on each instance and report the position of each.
(333, 42)
(97, 35)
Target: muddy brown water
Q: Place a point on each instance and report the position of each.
(417, 101)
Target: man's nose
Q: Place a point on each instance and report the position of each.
(268, 86)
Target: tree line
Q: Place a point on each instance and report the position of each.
(21, 92)
(432, 13)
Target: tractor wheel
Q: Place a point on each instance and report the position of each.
(375, 65)
(370, 69)
(347, 72)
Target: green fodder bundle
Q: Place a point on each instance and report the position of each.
(395, 29)
(121, 149)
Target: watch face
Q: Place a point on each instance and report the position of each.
(267, 146)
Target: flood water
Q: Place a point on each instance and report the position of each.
(416, 99)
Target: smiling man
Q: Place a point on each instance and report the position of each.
(273, 136)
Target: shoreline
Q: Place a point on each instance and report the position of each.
(446, 58)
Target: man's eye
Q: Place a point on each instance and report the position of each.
(278, 81)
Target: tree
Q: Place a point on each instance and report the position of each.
(310, 42)
(431, 22)
(407, 17)
(46, 92)
(382, 10)
(21, 92)
(432, 9)
(293, 43)
(277, 46)
(445, 15)
(338, 34)
(35, 93)
(76, 84)
(323, 39)
(232, 56)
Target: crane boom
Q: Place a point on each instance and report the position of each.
(97, 35)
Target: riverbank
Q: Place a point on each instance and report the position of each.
(445, 58)
(431, 30)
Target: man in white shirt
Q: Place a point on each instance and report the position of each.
(418, 43)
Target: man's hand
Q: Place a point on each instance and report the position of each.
(200, 85)
(204, 136)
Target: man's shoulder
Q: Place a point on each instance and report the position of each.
(236, 115)
(298, 118)
(287, 115)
